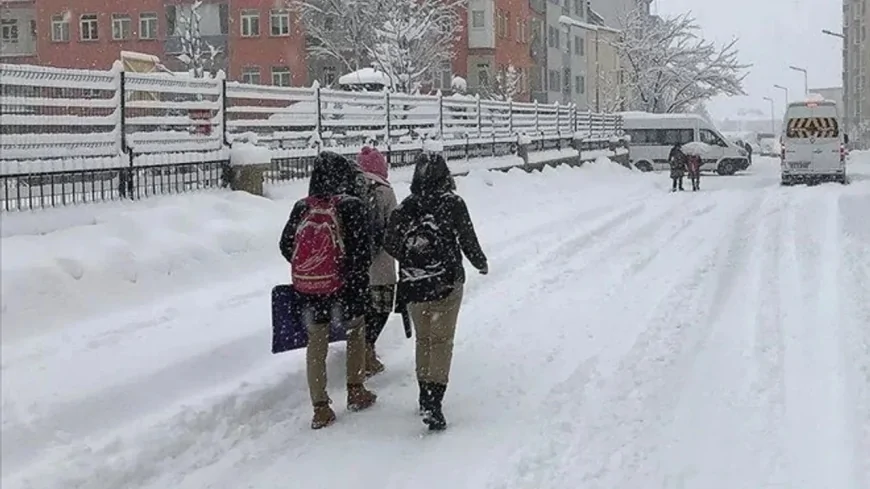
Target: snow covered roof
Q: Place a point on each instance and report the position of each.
(584, 25)
(365, 76)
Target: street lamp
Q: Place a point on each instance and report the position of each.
(786, 93)
(806, 82)
(565, 20)
(835, 34)
(772, 116)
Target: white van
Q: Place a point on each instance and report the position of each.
(653, 136)
(813, 144)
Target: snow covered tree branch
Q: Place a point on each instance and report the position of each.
(507, 84)
(412, 37)
(671, 68)
(341, 30)
(197, 55)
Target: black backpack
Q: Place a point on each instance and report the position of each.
(425, 253)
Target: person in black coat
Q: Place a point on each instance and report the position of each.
(335, 176)
(678, 162)
(427, 234)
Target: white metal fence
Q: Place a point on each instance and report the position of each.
(57, 119)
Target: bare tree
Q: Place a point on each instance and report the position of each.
(341, 30)
(197, 55)
(507, 84)
(412, 37)
(671, 68)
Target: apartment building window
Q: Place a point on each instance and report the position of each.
(9, 30)
(577, 46)
(121, 27)
(329, 75)
(477, 19)
(581, 85)
(518, 31)
(89, 27)
(558, 35)
(442, 76)
(551, 36)
(582, 46)
(577, 84)
(578, 7)
(281, 76)
(148, 26)
(60, 28)
(566, 80)
(483, 75)
(568, 44)
(251, 74)
(250, 23)
(280, 22)
(507, 25)
(553, 78)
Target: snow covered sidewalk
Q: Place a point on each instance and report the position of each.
(625, 337)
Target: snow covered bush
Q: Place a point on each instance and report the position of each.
(671, 68)
(341, 30)
(507, 84)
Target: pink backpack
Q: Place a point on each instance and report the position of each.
(318, 249)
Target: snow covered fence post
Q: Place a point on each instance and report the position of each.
(479, 117)
(318, 113)
(125, 175)
(249, 163)
(440, 115)
(387, 125)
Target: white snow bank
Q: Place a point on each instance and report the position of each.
(433, 145)
(129, 252)
(117, 254)
(604, 166)
(244, 154)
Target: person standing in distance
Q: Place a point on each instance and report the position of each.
(428, 234)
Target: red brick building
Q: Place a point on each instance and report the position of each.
(260, 42)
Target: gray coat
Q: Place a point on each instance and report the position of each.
(383, 269)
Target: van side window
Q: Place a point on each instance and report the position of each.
(678, 136)
(710, 137)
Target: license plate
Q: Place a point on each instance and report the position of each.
(801, 165)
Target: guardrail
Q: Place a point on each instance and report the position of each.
(82, 135)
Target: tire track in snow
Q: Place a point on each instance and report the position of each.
(241, 406)
(855, 287)
(640, 383)
(821, 447)
(288, 443)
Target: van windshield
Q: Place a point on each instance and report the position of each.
(813, 127)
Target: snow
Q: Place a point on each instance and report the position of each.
(244, 154)
(433, 145)
(365, 76)
(459, 84)
(624, 337)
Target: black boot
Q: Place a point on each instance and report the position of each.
(423, 401)
(434, 417)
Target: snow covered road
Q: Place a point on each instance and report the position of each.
(625, 338)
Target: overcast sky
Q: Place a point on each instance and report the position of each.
(772, 35)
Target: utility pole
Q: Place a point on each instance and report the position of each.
(772, 116)
(806, 81)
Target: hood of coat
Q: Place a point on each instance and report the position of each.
(332, 174)
(431, 175)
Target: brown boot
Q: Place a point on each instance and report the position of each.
(373, 364)
(359, 398)
(323, 416)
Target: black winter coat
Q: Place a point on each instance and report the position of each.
(432, 195)
(333, 174)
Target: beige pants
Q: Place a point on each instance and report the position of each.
(435, 326)
(318, 347)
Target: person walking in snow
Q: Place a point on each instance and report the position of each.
(677, 160)
(382, 275)
(693, 166)
(326, 241)
(428, 234)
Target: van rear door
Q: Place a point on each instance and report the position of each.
(813, 139)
